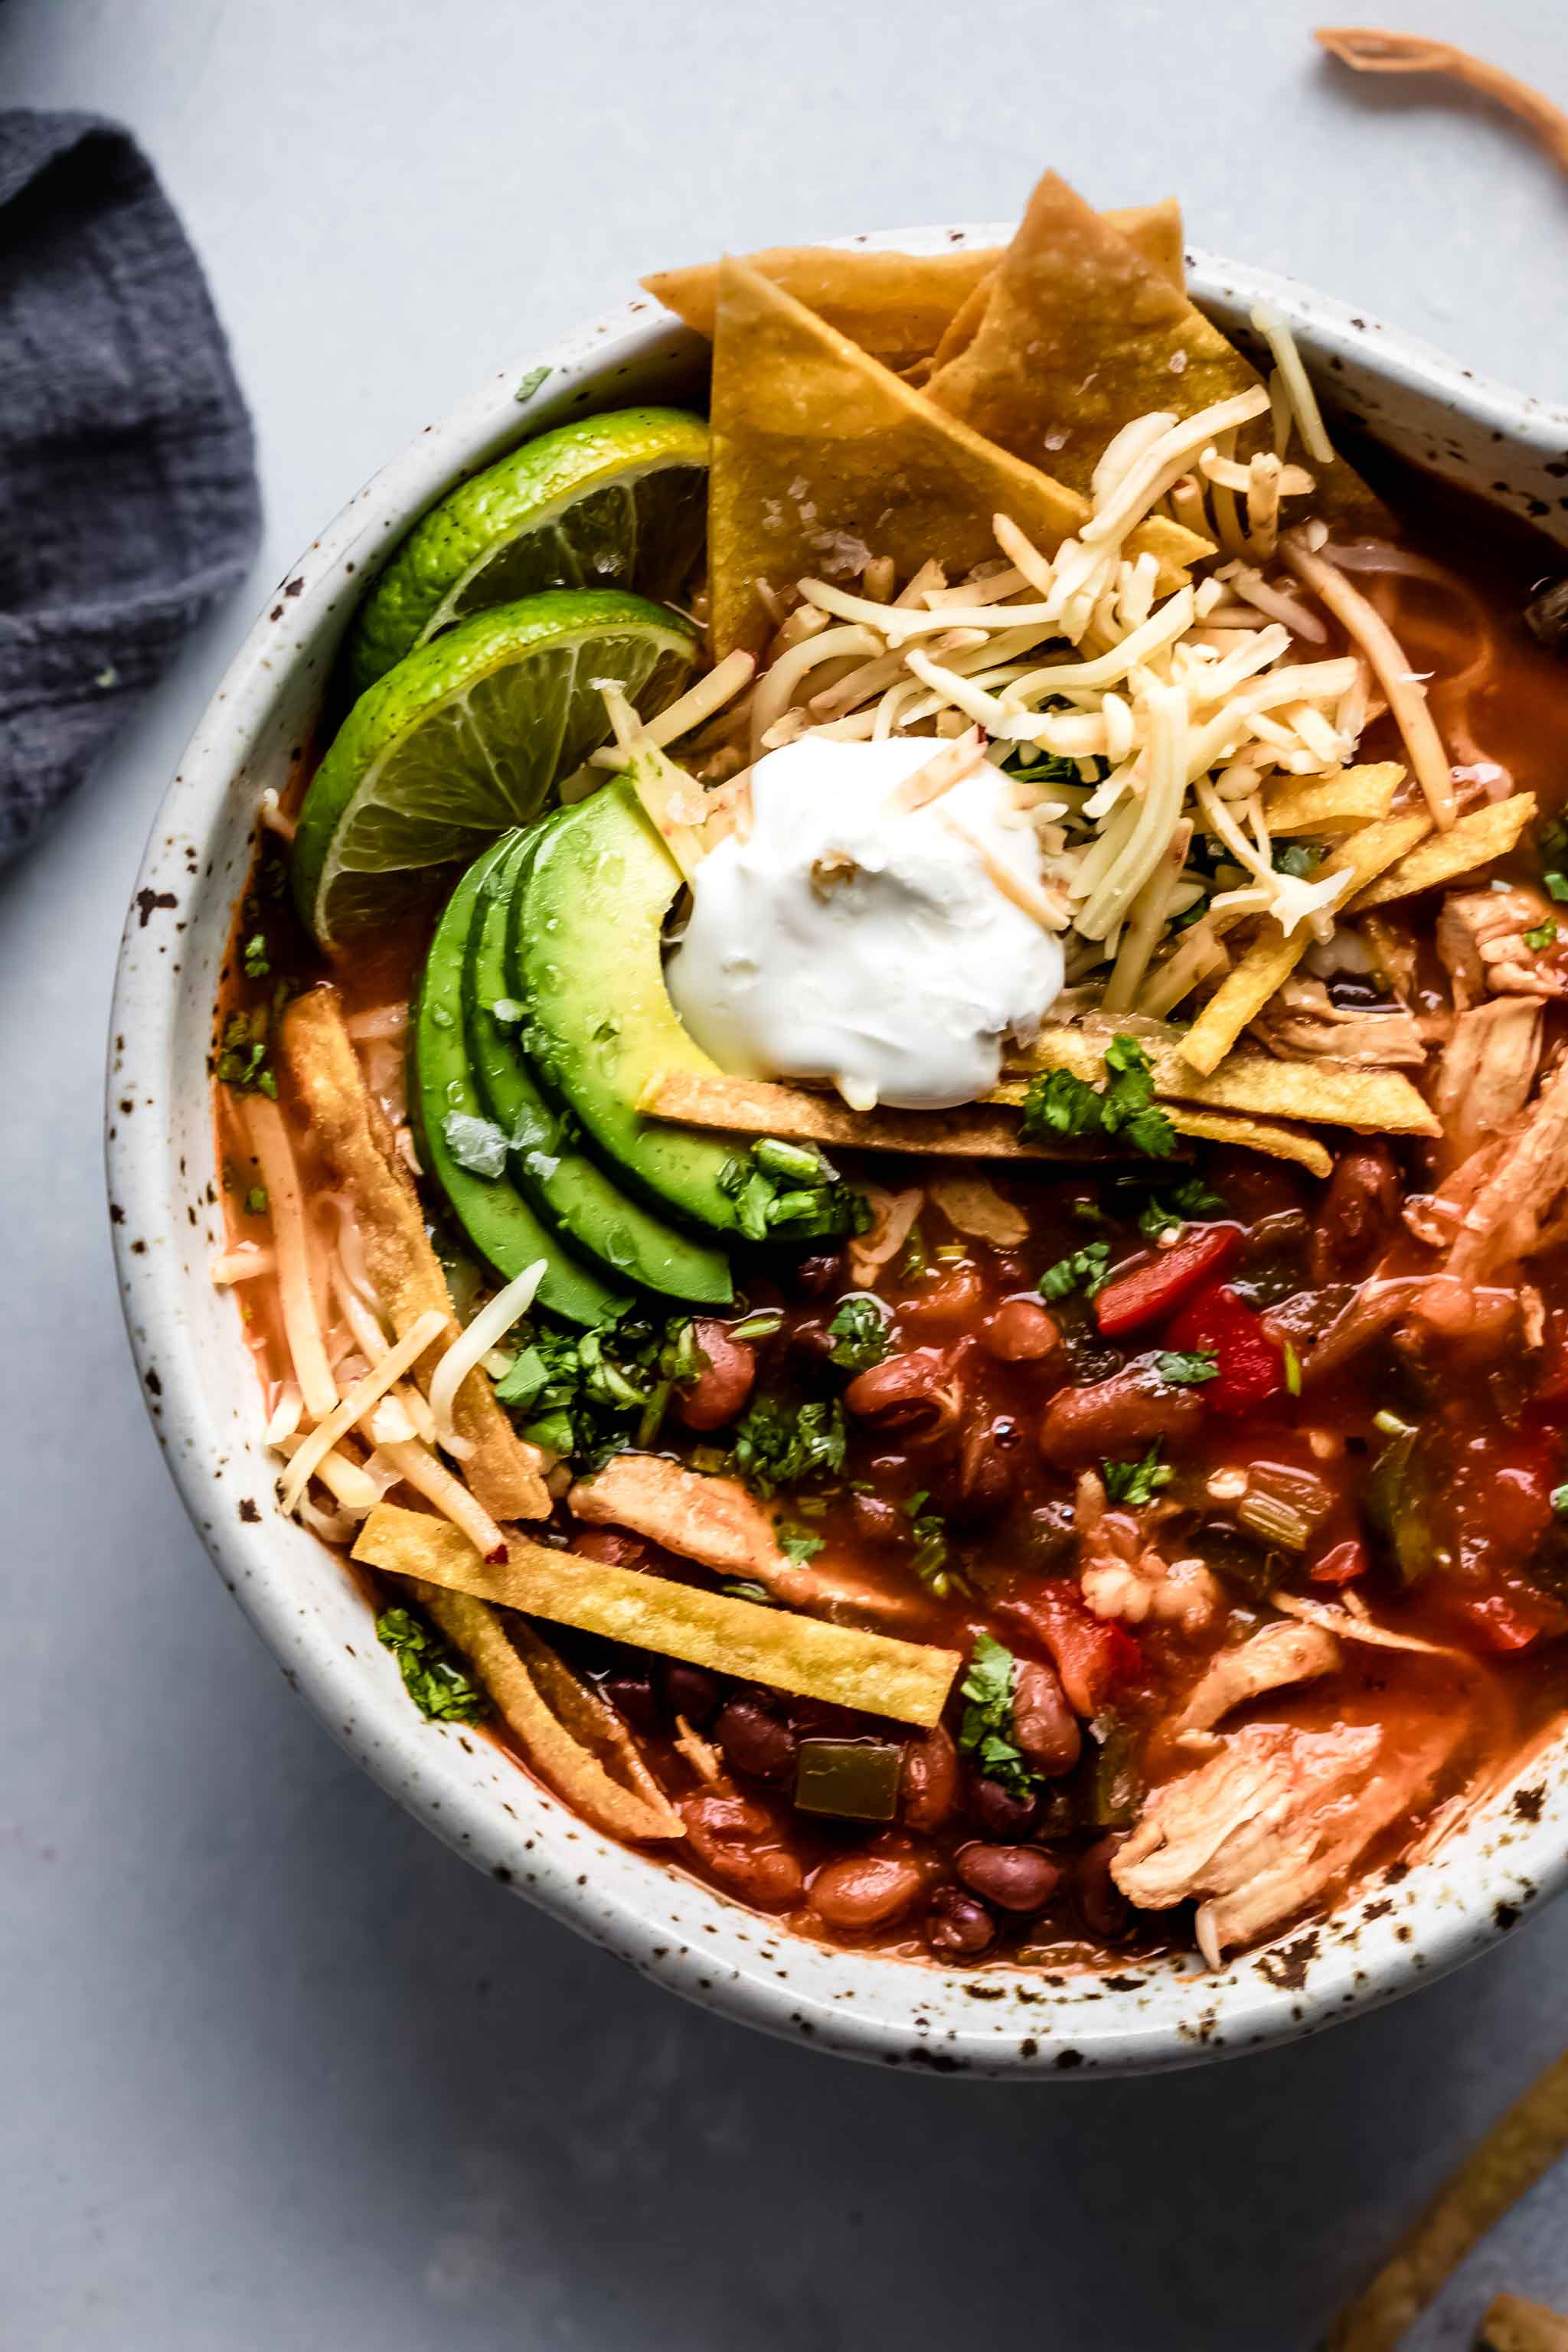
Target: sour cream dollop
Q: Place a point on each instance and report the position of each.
(872, 947)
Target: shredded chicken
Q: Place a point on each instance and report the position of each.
(1488, 1068)
(1481, 940)
(1271, 1659)
(1302, 1019)
(1271, 1821)
(1510, 1194)
(1123, 1575)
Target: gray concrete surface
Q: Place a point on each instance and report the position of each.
(275, 2070)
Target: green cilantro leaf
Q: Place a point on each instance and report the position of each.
(931, 1553)
(782, 1444)
(1560, 1501)
(1541, 936)
(256, 1201)
(1136, 1482)
(1060, 1104)
(1179, 1371)
(859, 1335)
(986, 1729)
(254, 956)
(432, 1675)
(1086, 1269)
(1301, 858)
(241, 1061)
(797, 1543)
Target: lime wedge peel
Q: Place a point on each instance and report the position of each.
(466, 737)
(615, 501)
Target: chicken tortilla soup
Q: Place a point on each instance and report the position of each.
(894, 1119)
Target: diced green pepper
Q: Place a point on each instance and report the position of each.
(856, 1779)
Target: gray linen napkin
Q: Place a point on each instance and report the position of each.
(128, 495)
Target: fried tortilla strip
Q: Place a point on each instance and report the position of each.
(1511, 2325)
(1474, 840)
(551, 1742)
(1271, 957)
(1515, 2154)
(504, 1472)
(1334, 804)
(899, 307)
(797, 1115)
(1253, 1135)
(1333, 1094)
(1369, 50)
(1082, 333)
(713, 1521)
(904, 1680)
(822, 457)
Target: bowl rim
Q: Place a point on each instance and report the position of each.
(670, 1927)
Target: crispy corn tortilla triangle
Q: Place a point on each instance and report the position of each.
(1329, 1094)
(901, 306)
(1081, 333)
(822, 457)
(1271, 957)
(1153, 230)
(872, 1671)
(1314, 804)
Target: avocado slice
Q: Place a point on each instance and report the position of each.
(494, 1215)
(584, 953)
(563, 1184)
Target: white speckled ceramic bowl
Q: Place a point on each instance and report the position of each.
(206, 1405)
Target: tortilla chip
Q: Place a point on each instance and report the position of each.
(796, 1115)
(714, 1521)
(1082, 333)
(551, 1746)
(1474, 840)
(1511, 2325)
(871, 1672)
(1272, 957)
(1331, 1094)
(584, 1711)
(822, 457)
(1313, 805)
(899, 307)
(1155, 232)
(1515, 2154)
(1253, 1135)
(504, 1472)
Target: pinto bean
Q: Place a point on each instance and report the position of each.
(720, 1389)
(741, 1845)
(1114, 1417)
(609, 1547)
(1105, 1908)
(957, 1922)
(997, 1813)
(860, 1891)
(913, 1394)
(1013, 1877)
(930, 1780)
(952, 1303)
(1044, 1726)
(1360, 1211)
(692, 1692)
(755, 1742)
(1021, 1332)
(988, 1468)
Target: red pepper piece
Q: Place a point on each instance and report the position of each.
(1093, 1655)
(1157, 1289)
(1251, 1365)
(1341, 1564)
(1498, 1621)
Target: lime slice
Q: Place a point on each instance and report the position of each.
(614, 501)
(464, 738)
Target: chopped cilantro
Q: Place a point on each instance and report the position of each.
(914, 1260)
(1301, 858)
(530, 382)
(432, 1675)
(1090, 1213)
(1541, 936)
(1187, 1204)
(256, 1201)
(1552, 843)
(859, 1335)
(1057, 1103)
(1136, 1482)
(1181, 1371)
(241, 1060)
(1560, 1501)
(797, 1543)
(986, 1730)
(1086, 1269)
(253, 956)
(522, 1381)
(595, 1393)
(782, 1444)
(809, 1199)
(1053, 768)
(931, 1561)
